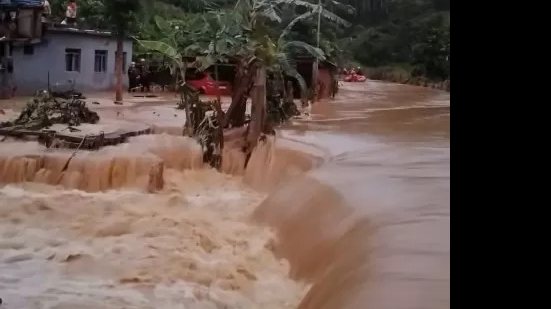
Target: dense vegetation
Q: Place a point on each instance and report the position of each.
(407, 37)
(413, 35)
(263, 39)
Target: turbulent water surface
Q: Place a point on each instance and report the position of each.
(348, 208)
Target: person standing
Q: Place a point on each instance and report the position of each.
(46, 12)
(145, 76)
(335, 87)
(71, 13)
(132, 77)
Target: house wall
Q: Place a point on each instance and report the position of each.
(31, 71)
(324, 79)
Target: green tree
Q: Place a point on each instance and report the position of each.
(245, 33)
(407, 34)
(179, 41)
(264, 50)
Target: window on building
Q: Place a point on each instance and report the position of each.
(123, 61)
(28, 50)
(100, 61)
(72, 60)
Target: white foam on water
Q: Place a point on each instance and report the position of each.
(189, 246)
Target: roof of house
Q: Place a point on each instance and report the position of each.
(61, 29)
(20, 3)
(67, 29)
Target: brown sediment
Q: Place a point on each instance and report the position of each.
(325, 241)
(270, 165)
(190, 244)
(367, 226)
(138, 164)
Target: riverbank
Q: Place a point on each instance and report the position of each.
(403, 75)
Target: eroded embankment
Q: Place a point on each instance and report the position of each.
(174, 241)
(190, 244)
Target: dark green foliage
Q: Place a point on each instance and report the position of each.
(431, 53)
(120, 15)
(411, 32)
(383, 32)
(103, 14)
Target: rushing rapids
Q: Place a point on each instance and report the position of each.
(139, 163)
(347, 209)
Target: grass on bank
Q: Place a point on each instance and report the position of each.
(404, 74)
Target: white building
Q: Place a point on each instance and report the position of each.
(67, 55)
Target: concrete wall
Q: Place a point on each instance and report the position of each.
(31, 71)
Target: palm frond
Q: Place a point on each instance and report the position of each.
(162, 23)
(269, 12)
(334, 18)
(314, 7)
(289, 69)
(193, 49)
(206, 62)
(342, 6)
(302, 3)
(314, 51)
(162, 48)
(290, 26)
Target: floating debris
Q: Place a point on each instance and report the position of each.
(46, 109)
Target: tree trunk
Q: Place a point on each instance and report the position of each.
(176, 86)
(258, 108)
(220, 133)
(118, 69)
(188, 128)
(235, 115)
(216, 83)
(282, 79)
(315, 73)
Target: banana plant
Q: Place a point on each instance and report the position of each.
(221, 39)
(271, 9)
(262, 50)
(177, 67)
(176, 44)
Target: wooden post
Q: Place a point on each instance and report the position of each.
(258, 108)
(219, 134)
(119, 69)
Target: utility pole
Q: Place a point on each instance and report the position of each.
(315, 69)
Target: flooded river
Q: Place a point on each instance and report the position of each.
(348, 208)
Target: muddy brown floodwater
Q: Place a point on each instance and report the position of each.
(346, 208)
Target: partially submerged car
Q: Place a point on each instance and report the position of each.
(207, 85)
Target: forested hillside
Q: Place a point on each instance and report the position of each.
(395, 39)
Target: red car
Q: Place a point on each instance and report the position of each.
(207, 85)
